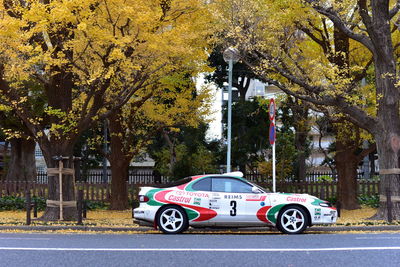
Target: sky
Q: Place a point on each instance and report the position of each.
(215, 127)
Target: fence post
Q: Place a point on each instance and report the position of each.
(389, 205)
(322, 194)
(79, 203)
(28, 207)
(84, 212)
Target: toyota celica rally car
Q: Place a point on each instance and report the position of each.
(228, 200)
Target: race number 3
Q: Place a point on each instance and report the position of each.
(233, 206)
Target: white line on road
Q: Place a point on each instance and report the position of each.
(23, 238)
(204, 249)
(379, 237)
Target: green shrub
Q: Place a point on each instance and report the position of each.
(369, 200)
(325, 178)
(96, 205)
(332, 200)
(19, 203)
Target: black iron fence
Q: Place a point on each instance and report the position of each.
(97, 177)
(149, 177)
(102, 191)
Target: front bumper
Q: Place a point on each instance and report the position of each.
(324, 215)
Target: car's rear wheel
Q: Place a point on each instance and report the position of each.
(292, 220)
(172, 220)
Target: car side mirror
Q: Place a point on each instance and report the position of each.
(256, 190)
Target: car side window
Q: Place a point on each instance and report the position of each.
(229, 185)
(202, 185)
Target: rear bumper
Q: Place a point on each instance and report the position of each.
(145, 213)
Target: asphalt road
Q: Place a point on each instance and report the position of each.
(342, 250)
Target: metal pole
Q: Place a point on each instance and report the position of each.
(228, 155)
(60, 167)
(273, 169)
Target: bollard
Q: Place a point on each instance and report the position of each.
(79, 204)
(389, 205)
(338, 206)
(28, 207)
(35, 208)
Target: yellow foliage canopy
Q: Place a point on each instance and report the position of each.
(110, 51)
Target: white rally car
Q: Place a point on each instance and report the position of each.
(228, 200)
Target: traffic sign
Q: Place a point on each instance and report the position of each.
(271, 109)
(272, 133)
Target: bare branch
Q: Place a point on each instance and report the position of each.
(363, 10)
(335, 18)
(394, 10)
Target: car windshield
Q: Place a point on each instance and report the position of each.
(175, 183)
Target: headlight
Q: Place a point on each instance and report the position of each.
(325, 204)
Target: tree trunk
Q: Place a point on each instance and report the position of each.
(388, 129)
(172, 151)
(56, 152)
(22, 164)
(52, 211)
(119, 161)
(119, 192)
(302, 128)
(388, 146)
(301, 146)
(346, 166)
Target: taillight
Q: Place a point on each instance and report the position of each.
(143, 198)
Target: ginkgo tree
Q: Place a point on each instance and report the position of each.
(89, 58)
(319, 51)
(133, 127)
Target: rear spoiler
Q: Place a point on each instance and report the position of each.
(237, 174)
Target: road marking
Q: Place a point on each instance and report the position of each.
(204, 249)
(23, 238)
(380, 237)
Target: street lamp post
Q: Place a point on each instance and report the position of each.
(231, 56)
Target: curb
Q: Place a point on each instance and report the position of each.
(145, 230)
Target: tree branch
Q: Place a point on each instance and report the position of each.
(394, 10)
(335, 18)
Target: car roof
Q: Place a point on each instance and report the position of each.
(184, 181)
(224, 175)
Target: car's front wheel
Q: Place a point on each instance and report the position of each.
(172, 220)
(292, 220)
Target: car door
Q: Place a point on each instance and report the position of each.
(257, 206)
(200, 191)
(228, 198)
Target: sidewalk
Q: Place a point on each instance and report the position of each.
(149, 230)
(103, 221)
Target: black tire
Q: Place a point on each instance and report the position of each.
(292, 220)
(172, 220)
